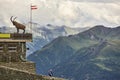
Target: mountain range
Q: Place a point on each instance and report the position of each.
(43, 34)
(90, 55)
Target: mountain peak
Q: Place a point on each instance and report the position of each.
(100, 27)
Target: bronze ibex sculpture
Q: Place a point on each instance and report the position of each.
(17, 25)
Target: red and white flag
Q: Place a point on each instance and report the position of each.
(33, 7)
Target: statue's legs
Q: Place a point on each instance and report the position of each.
(17, 30)
(23, 31)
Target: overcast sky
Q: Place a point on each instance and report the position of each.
(73, 13)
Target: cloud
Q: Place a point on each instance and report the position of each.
(73, 13)
(89, 14)
(12, 8)
(98, 1)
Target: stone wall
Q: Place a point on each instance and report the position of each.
(12, 51)
(14, 74)
(24, 66)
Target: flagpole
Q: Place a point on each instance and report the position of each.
(32, 7)
(31, 18)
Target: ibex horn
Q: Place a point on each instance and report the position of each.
(11, 18)
(14, 18)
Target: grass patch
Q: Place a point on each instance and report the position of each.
(102, 66)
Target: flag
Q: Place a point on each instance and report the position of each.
(33, 7)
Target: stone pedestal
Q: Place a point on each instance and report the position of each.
(13, 51)
(13, 46)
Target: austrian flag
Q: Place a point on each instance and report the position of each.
(33, 7)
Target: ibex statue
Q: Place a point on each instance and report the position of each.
(17, 25)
